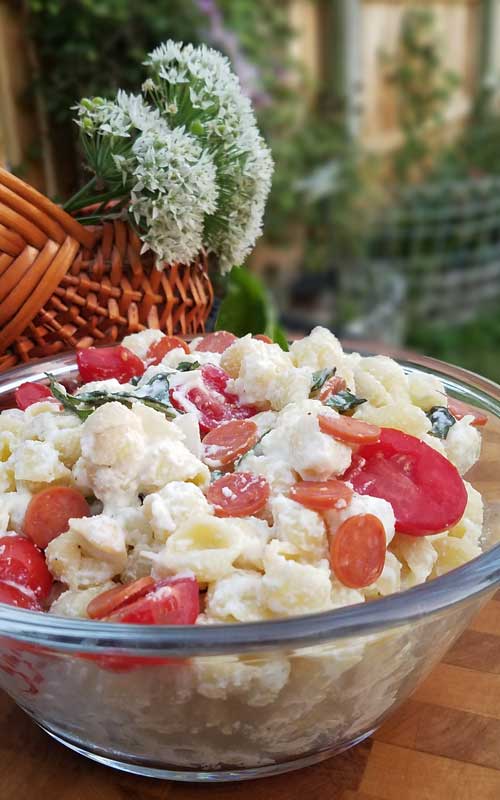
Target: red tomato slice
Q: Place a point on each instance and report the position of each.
(216, 379)
(216, 342)
(49, 512)
(348, 430)
(425, 490)
(100, 364)
(174, 601)
(160, 348)
(332, 386)
(23, 564)
(461, 410)
(321, 495)
(357, 551)
(108, 602)
(263, 338)
(13, 596)
(29, 393)
(211, 412)
(239, 494)
(224, 444)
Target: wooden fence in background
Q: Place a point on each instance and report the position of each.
(338, 40)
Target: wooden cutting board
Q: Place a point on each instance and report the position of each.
(443, 744)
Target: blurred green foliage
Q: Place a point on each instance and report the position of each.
(88, 47)
(424, 87)
(474, 345)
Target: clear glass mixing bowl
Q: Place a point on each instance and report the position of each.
(215, 703)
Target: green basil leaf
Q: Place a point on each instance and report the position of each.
(187, 366)
(344, 401)
(320, 377)
(156, 388)
(442, 420)
(154, 394)
(247, 308)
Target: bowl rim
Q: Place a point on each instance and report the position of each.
(472, 580)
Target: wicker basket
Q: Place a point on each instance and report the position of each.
(66, 286)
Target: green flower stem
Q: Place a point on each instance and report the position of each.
(77, 200)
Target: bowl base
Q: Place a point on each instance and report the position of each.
(195, 776)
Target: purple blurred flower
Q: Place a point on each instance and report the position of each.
(227, 41)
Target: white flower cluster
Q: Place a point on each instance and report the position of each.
(192, 160)
(204, 77)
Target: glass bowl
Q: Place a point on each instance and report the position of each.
(231, 702)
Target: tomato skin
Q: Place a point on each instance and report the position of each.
(214, 403)
(238, 494)
(211, 412)
(461, 410)
(23, 564)
(49, 512)
(29, 393)
(357, 551)
(110, 601)
(321, 495)
(13, 596)
(179, 606)
(173, 601)
(159, 349)
(216, 379)
(425, 490)
(103, 363)
(216, 342)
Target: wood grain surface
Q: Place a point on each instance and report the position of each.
(443, 744)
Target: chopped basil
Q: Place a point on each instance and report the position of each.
(187, 366)
(319, 379)
(153, 394)
(442, 420)
(344, 401)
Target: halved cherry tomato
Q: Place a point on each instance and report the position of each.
(348, 430)
(49, 512)
(29, 393)
(102, 363)
(461, 410)
(213, 404)
(263, 338)
(321, 495)
(357, 551)
(216, 342)
(332, 386)
(224, 444)
(211, 412)
(108, 602)
(161, 347)
(23, 564)
(13, 596)
(217, 379)
(173, 601)
(239, 494)
(425, 490)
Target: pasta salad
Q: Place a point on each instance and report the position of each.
(230, 481)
